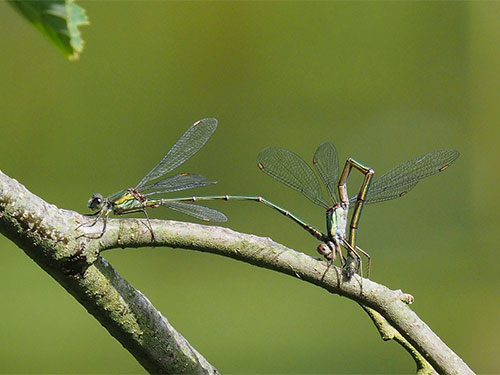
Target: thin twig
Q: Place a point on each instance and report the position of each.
(388, 332)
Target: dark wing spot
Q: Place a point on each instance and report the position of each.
(403, 193)
(259, 164)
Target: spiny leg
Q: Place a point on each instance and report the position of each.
(104, 225)
(330, 264)
(143, 210)
(149, 225)
(101, 213)
(94, 222)
(369, 258)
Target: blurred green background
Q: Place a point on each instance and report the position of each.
(384, 82)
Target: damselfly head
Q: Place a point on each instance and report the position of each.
(96, 202)
(326, 251)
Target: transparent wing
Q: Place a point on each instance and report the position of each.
(402, 178)
(290, 169)
(177, 182)
(191, 141)
(200, 212)
(327, 164)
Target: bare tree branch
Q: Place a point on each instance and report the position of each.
(263, 252)
(47, 235)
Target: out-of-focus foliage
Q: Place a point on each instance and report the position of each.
(58, 20)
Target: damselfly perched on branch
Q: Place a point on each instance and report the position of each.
(137, 199)
(290, 169)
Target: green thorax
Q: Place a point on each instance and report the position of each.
(124, 201)
(336, 221)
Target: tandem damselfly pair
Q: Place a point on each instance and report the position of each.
(286, 167)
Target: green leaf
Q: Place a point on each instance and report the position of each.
(58, 20)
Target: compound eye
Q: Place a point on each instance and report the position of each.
(325, 250)
(96, 202)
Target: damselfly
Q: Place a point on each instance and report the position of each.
(137, 199)
(290, 169)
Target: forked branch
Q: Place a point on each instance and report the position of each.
(47, 235)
